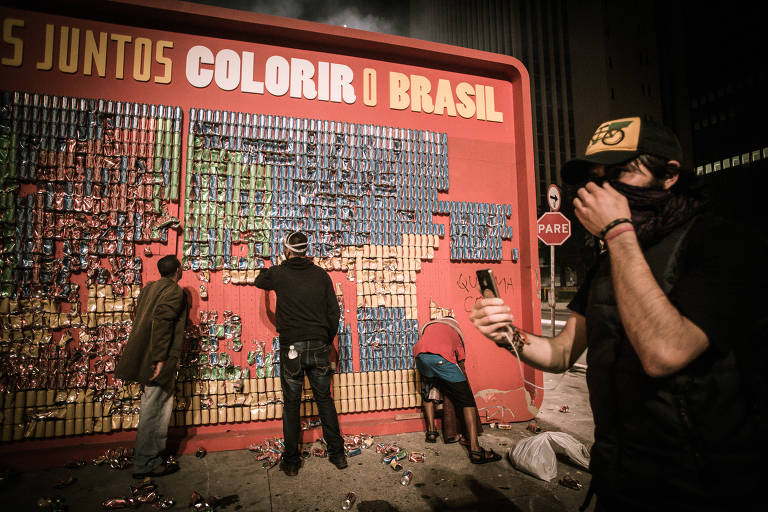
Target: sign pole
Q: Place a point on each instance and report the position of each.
(562, 230)
(552, 302)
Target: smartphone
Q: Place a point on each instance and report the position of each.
(487, 283)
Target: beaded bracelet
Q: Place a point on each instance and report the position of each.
(611, 225)
(519, 339)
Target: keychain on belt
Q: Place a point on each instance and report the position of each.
(292, 354)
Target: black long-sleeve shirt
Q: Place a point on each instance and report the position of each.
(306, 306)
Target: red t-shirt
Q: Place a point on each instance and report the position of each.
(443, 340)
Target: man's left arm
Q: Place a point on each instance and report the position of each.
(664, 340)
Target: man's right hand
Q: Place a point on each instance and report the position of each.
(493, 318)
(158, 367)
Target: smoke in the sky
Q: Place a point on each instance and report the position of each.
(285, 8)
(385, 16)
(352, 18)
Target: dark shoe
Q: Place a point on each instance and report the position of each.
(431, 436)
(161, 470)
(483, 456)
(339, 461)
(289, 469)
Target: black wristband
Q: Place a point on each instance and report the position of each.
(612, 225)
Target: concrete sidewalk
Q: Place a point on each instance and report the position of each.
(445, 481)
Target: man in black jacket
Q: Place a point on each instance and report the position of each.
(665, 316)
(307, 315)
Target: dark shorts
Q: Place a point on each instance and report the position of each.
(445, 376)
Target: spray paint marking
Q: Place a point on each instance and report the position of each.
(467, 283)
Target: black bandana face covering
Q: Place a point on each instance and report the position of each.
(656, 212)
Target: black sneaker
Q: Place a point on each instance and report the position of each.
(340, 461)
(161, 470)
(289, 469)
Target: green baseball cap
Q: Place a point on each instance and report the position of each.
(621, 140)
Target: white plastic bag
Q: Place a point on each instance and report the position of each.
(537, 455)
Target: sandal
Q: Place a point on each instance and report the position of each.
(431, 436)
(483, 456)
(457, 439)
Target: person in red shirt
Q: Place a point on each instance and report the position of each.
(438, 353)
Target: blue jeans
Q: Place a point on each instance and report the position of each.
(313, 359)
(156, 408)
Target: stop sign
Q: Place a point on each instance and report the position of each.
(553, 228)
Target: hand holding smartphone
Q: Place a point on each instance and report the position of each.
(487, 283)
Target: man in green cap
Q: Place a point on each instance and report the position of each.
(677, 420)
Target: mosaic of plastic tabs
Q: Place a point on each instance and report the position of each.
(82, 181)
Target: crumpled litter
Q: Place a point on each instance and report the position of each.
(119, 502)
(65, 482)
(570, 482)
(536, 455)
(142, 492)
(202, 504)
(355, 443)
(269, 451)
(416, 457)
(115, 458)
(52, 504)
(533, 427)
(391, 453)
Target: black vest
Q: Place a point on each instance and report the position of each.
(677, 436)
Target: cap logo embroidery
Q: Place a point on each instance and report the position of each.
(610, 133)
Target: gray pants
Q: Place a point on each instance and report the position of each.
(156, 408)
